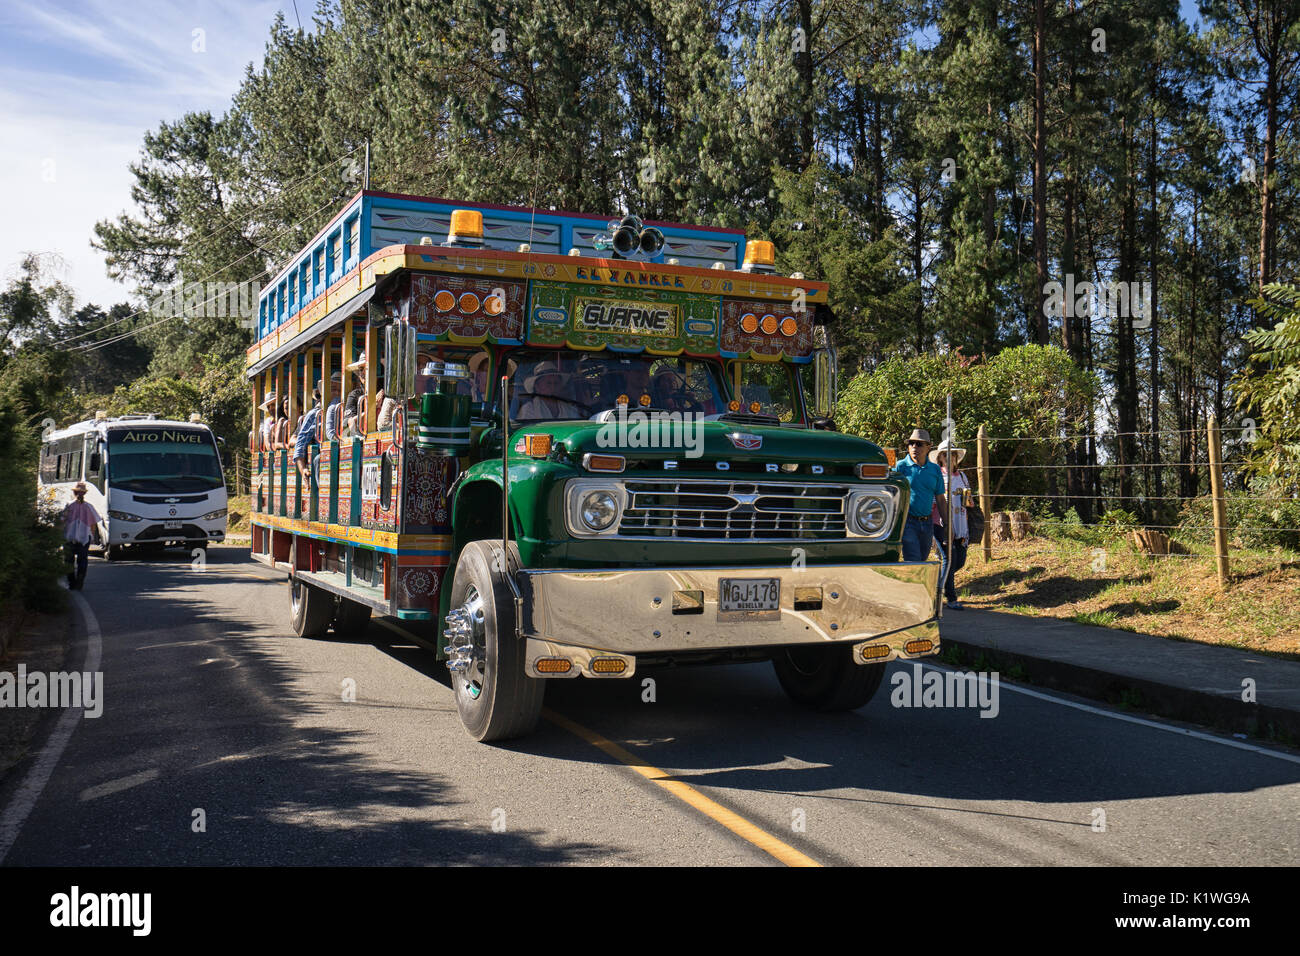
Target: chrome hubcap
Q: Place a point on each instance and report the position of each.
(466, 644)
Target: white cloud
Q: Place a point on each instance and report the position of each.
(70, 123)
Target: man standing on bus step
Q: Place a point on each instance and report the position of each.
(79, 521)
(926, 481)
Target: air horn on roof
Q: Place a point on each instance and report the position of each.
(630, 238)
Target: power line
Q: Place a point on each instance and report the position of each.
(280, 195)
(94, 346)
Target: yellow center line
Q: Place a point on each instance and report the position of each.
(715, 811)
(710, 808)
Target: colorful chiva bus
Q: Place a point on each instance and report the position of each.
(567, 446)
(154, 482)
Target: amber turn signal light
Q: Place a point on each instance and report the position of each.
(553, 665)
(874, 652)
(614, 463)
(608, 665)
(872, 471)
(537, 446)
(918, 647)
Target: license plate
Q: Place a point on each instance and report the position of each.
(749, 599)
(171, 526)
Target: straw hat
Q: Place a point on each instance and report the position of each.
(919, 434)
(270, 401)
(945, 446)
(541, 370)
(359, 365)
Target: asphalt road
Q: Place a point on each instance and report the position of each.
(212, 705)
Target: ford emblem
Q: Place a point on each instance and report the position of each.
(746, 442)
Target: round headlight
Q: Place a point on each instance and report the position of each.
(599, 509)
(871, 514)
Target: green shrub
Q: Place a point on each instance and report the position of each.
(1253, 521)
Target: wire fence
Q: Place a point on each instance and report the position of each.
(1036, 518)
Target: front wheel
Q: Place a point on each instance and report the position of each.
(496, 699)
(826, 678)
(310, 609)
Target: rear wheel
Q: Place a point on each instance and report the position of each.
(826, 678)
(351, 619)
(310, 609)
(496, 699)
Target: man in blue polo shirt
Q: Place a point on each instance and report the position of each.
(926, 481)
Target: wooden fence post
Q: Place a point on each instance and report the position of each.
(1220, 508)
(982, 467)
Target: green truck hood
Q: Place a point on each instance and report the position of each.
(717, 441)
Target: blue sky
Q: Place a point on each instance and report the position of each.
(80, 84)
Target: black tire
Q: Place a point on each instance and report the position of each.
(351, 619)
(826, 678)
(310, 609)
(496, 699)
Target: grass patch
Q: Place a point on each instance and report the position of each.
(1104, 582)
(1096, 618)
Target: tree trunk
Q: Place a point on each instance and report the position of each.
(1039, 329)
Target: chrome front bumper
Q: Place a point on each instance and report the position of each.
(635, 611)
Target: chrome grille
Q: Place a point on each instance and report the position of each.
(733, 510)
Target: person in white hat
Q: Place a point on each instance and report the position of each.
(948, 458)
(546, 400)
(926, 483)
(267, 431)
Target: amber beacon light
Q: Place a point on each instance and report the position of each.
(466, 228)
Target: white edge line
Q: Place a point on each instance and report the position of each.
(29, 791)
(1184, 731)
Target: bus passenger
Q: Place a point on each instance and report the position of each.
(266, 433)
(334, 407)
(547, 401)
(305, 437)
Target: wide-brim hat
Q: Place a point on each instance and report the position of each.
(541, 370)
(945, 447)
(358, 366)
(919, 434)
(270, 400)
(79, 486)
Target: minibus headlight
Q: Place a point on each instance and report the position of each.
(123, 516)
(214, 515)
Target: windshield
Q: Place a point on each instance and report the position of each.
(551, 385)
(141, 460)
(769, 385)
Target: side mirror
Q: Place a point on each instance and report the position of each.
(400, 360)
(824, 382)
